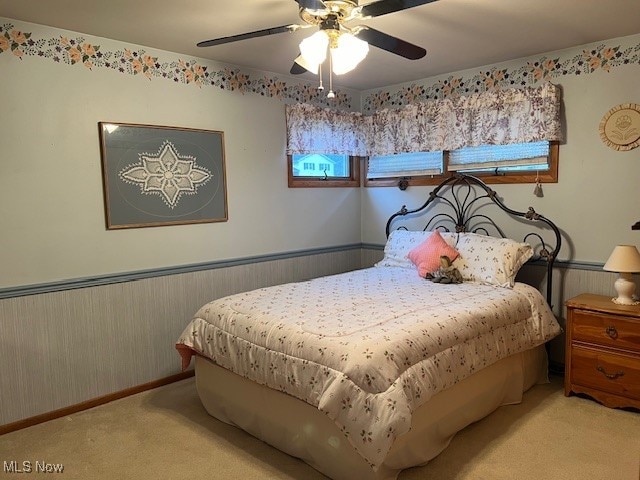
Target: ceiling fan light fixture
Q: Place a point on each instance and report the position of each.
(349, 52)
(313, 49)
(331, 17)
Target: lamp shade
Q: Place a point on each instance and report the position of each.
(314, 48)
(623, 259)
(349, 52)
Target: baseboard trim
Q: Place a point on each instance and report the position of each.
(94, 402)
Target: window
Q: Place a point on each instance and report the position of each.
(515, 163)
(323, 170)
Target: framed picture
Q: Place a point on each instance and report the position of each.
(154, 175)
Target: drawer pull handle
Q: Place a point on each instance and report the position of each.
(611, 331)
(610, 376)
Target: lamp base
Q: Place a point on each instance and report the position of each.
(625, 287)
(618, 302)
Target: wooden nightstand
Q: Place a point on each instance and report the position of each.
(602, 351)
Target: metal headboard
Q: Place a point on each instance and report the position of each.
(461, 204)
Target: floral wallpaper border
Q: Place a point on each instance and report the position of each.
(596, 57)
(136, 61)
(603, 56)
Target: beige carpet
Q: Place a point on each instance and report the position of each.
(166, 434)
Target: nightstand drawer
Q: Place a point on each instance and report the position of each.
(609, 330)
(608, 372)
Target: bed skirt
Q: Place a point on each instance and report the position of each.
(302, 431)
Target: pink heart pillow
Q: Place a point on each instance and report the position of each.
(426, 256)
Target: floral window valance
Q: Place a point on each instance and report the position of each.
(491, 118)
(312, 129)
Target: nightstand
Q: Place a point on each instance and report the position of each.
(602, 350)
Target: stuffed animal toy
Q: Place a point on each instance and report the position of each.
(447, 273)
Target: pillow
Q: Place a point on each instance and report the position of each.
(401, 242)
(490, 260)
(426, 256)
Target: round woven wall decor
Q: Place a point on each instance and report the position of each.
(620, 127)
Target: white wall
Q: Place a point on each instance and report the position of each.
(597, 197)
(51, 200)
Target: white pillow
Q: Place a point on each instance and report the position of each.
(490, 260)
(401, 242)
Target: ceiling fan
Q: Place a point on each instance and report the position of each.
(347, 45)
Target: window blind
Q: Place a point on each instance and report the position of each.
(405, 165)
(496, 156)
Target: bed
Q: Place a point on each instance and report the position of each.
(369, 372)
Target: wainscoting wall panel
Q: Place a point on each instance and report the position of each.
(371, 255)
(66, 347)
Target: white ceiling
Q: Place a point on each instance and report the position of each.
(458, 34)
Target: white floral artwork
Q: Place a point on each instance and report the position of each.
(620, 127)
(166, 173)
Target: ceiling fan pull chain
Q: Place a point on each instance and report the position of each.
(320, 87)
(330, 94)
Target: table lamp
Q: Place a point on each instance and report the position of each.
(625, 260)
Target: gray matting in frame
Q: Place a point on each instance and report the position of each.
(156, 175)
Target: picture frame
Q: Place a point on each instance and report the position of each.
(159, 175)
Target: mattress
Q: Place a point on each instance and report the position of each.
(368, 348)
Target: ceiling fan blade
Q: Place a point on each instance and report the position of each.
(390, 44)
(382, 7)
(244, 36)
(311, 4)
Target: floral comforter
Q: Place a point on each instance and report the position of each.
(367, 347)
